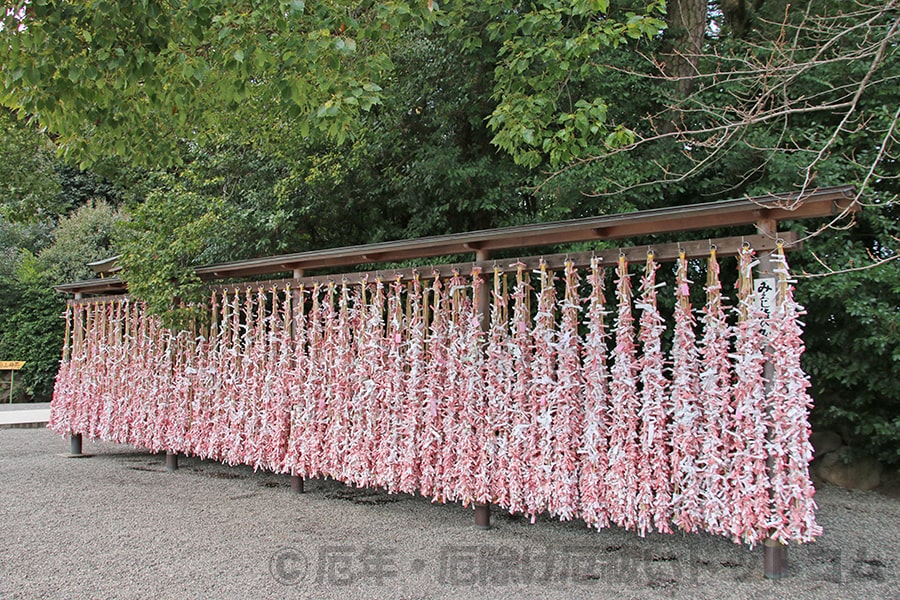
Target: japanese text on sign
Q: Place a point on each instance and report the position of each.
(765, 299)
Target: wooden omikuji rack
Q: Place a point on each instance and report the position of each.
(760, 215)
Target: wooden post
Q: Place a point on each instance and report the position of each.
(774, 559)
(75, 444)
(171, 461)
(74, 438)
(774, 552)
(12, 366)
(483, 305)
(294, 309)
(482, 515)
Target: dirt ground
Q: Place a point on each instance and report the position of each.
(117, 525)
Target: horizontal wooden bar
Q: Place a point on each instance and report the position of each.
(710, 215)
(728, 246)
(725, 213)
(92, 286)
(91, 300)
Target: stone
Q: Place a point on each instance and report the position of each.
(842, 469)
(824, 442)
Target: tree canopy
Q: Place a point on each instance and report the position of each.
(137, 78)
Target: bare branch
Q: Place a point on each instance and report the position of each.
(829, 271)
(882, 150)
(876, 62)
(753, 99)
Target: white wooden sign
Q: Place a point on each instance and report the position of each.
(764, 288)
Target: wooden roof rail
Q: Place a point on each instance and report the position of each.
(822, 202)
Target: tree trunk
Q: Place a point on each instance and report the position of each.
(687, 27)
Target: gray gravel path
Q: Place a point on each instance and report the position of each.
(117, 525)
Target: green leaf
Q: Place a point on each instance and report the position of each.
(329, 109)
(528, 136)
(367, 102)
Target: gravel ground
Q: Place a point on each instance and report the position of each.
(117, 525)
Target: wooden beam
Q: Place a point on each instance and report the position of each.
(93, 286)
(710, 215)
(727, 246)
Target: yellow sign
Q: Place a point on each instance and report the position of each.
(11, 365)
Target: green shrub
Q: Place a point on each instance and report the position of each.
(853, 336)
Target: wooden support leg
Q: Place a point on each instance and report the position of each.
(75, 444)
(483, 306)
(774, 553)
(171, 461)
(774, 559)
(296, 484)
(482, 515)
